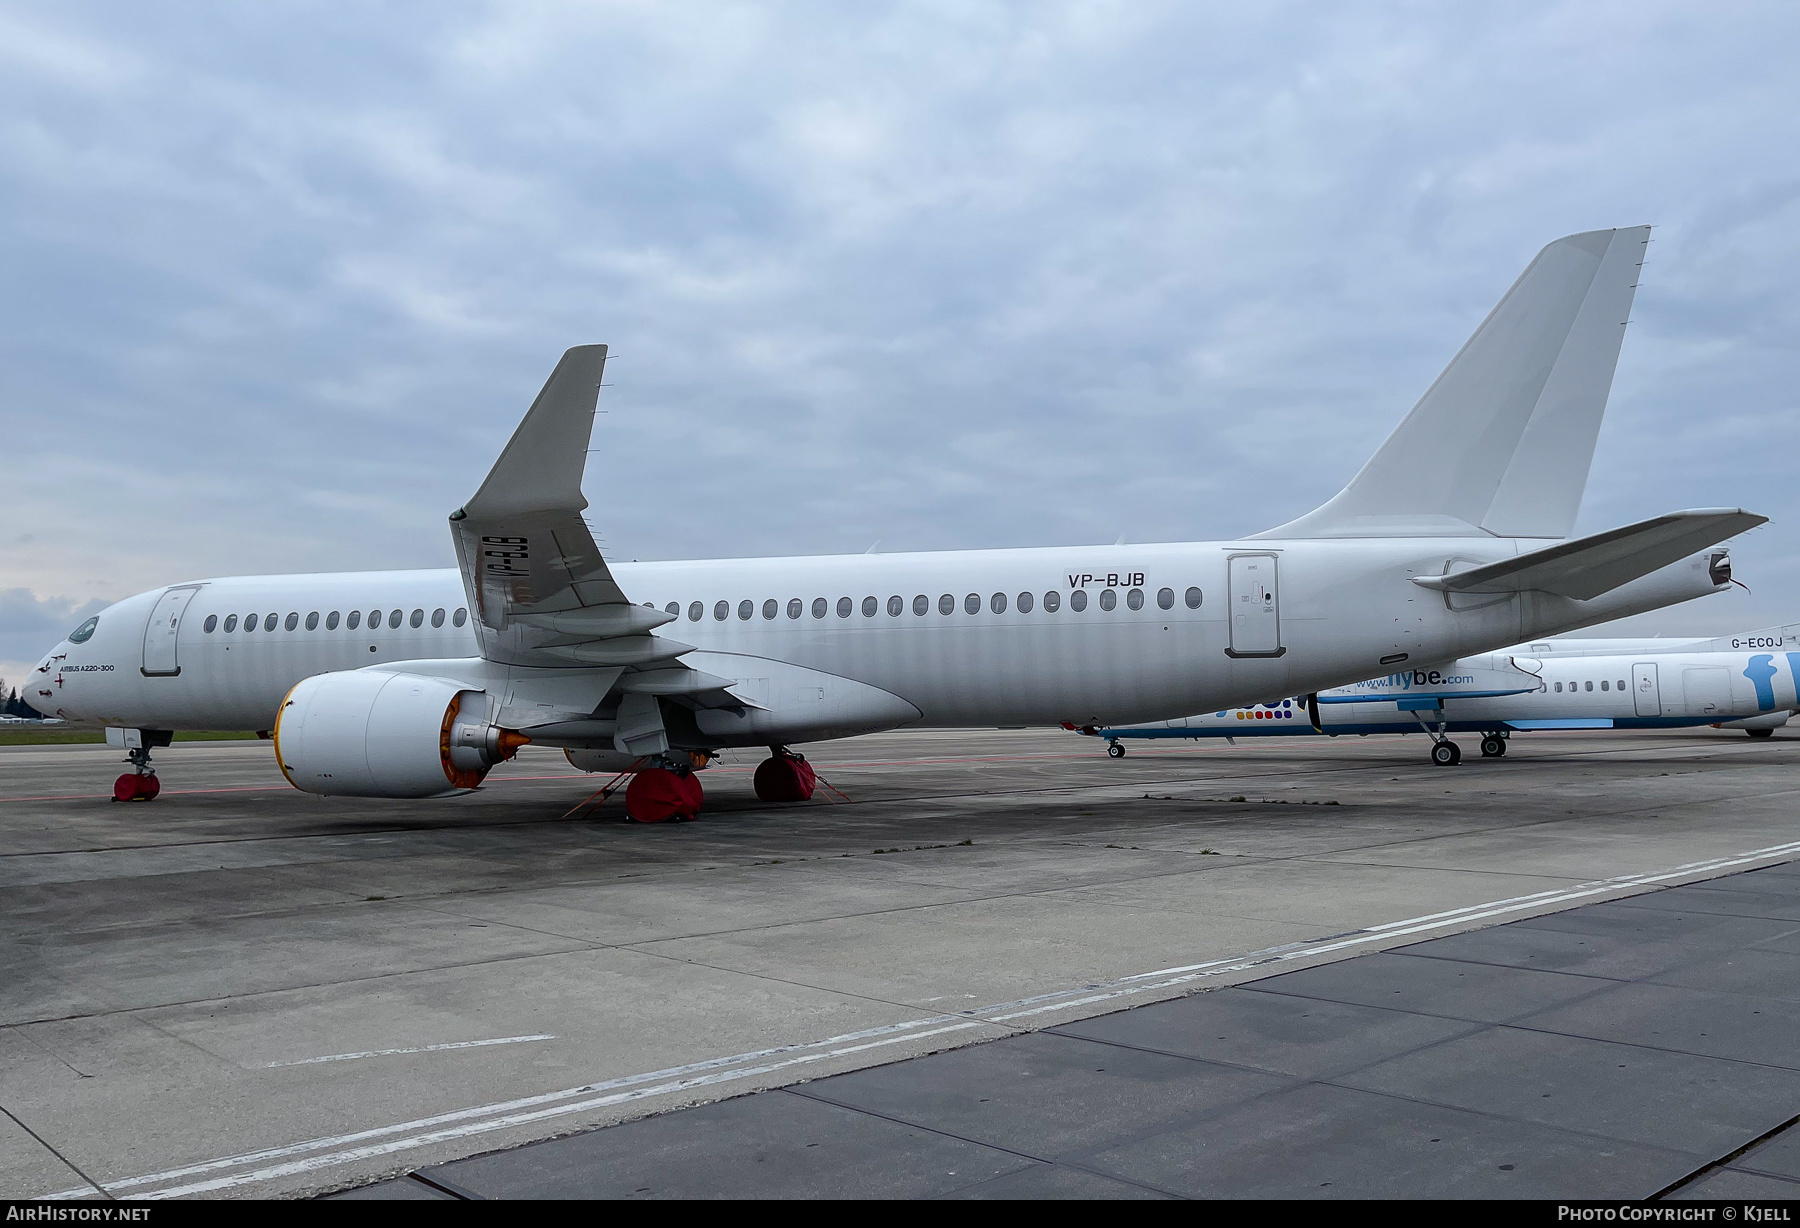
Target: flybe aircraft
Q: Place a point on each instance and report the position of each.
(1499, 694)
(413, 684)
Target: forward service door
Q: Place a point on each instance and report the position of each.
(1255, 603)
(160, 632)
(1644, 691)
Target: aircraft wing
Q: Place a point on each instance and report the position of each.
(539, 587)
(1589, 566)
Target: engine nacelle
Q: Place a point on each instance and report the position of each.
(377, 733)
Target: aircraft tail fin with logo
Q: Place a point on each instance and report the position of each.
(1501, 443)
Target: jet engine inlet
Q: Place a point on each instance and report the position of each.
(365, 733)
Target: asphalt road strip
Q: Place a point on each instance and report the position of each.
(316, 1155)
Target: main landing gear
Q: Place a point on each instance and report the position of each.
(785, 776)
(664, 788)
(1493, 745)
(1115, 749)
(140, 784)
(1446, 753)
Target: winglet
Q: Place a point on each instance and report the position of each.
(541, 468)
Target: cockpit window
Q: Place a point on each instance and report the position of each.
(85, 631)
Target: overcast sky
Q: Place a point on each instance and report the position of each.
(281, 278)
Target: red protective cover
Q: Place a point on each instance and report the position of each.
(784, 779)
(657, 794)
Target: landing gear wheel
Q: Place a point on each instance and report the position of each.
(136, 787)
(1493, 746)
(1446, 753)
(657, 794)
(1115, 750)
(1760, 733)
(785, 777)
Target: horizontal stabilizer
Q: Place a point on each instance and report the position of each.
(1589, 566)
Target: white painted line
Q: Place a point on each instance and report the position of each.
(481, 1119)
(339, 1140)
(460, 1044)
(313, 1163)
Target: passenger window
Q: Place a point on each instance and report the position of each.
(1025, 603)
(771, 607)
(231, 622)
(972, 603)
(394, 617)
(795, 607)
(1135, 598)
(354, 620)
(437, 616)
(1165, 598)
(1621, 684)
(1604, 686)
(746, 608)
(696, 611)
(1590, 685)
(896, 606)
(870, 605)
(997, 603)
(269, 622)
(211, 624)
(293, 620)
(331, 621)
(1078, 600)
(374, 620)
(417, 620)
(674, 607)
(250, 621)
(1193, 599)
(1052, 601)
(1559, 688)
(820, 605)
(460, 617)
(312, 621)
(921, 604)
(844, 606)
(721, 611)
(946, 604)
(1108, 599)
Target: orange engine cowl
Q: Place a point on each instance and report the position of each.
(380, 733)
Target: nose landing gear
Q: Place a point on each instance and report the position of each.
(1115, 749)
(140, 784)
(785, 777)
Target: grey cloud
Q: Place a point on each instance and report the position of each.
(282, 279)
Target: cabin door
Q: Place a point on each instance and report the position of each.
(160, 632)
(1255, 604)
(1644, 692)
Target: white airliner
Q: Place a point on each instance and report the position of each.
(415, 683)
(1617, 684)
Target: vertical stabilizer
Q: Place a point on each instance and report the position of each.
(1501, 443)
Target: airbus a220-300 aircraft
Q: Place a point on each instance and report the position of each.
(413, 684)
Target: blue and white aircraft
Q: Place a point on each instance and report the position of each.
(1749, 682)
